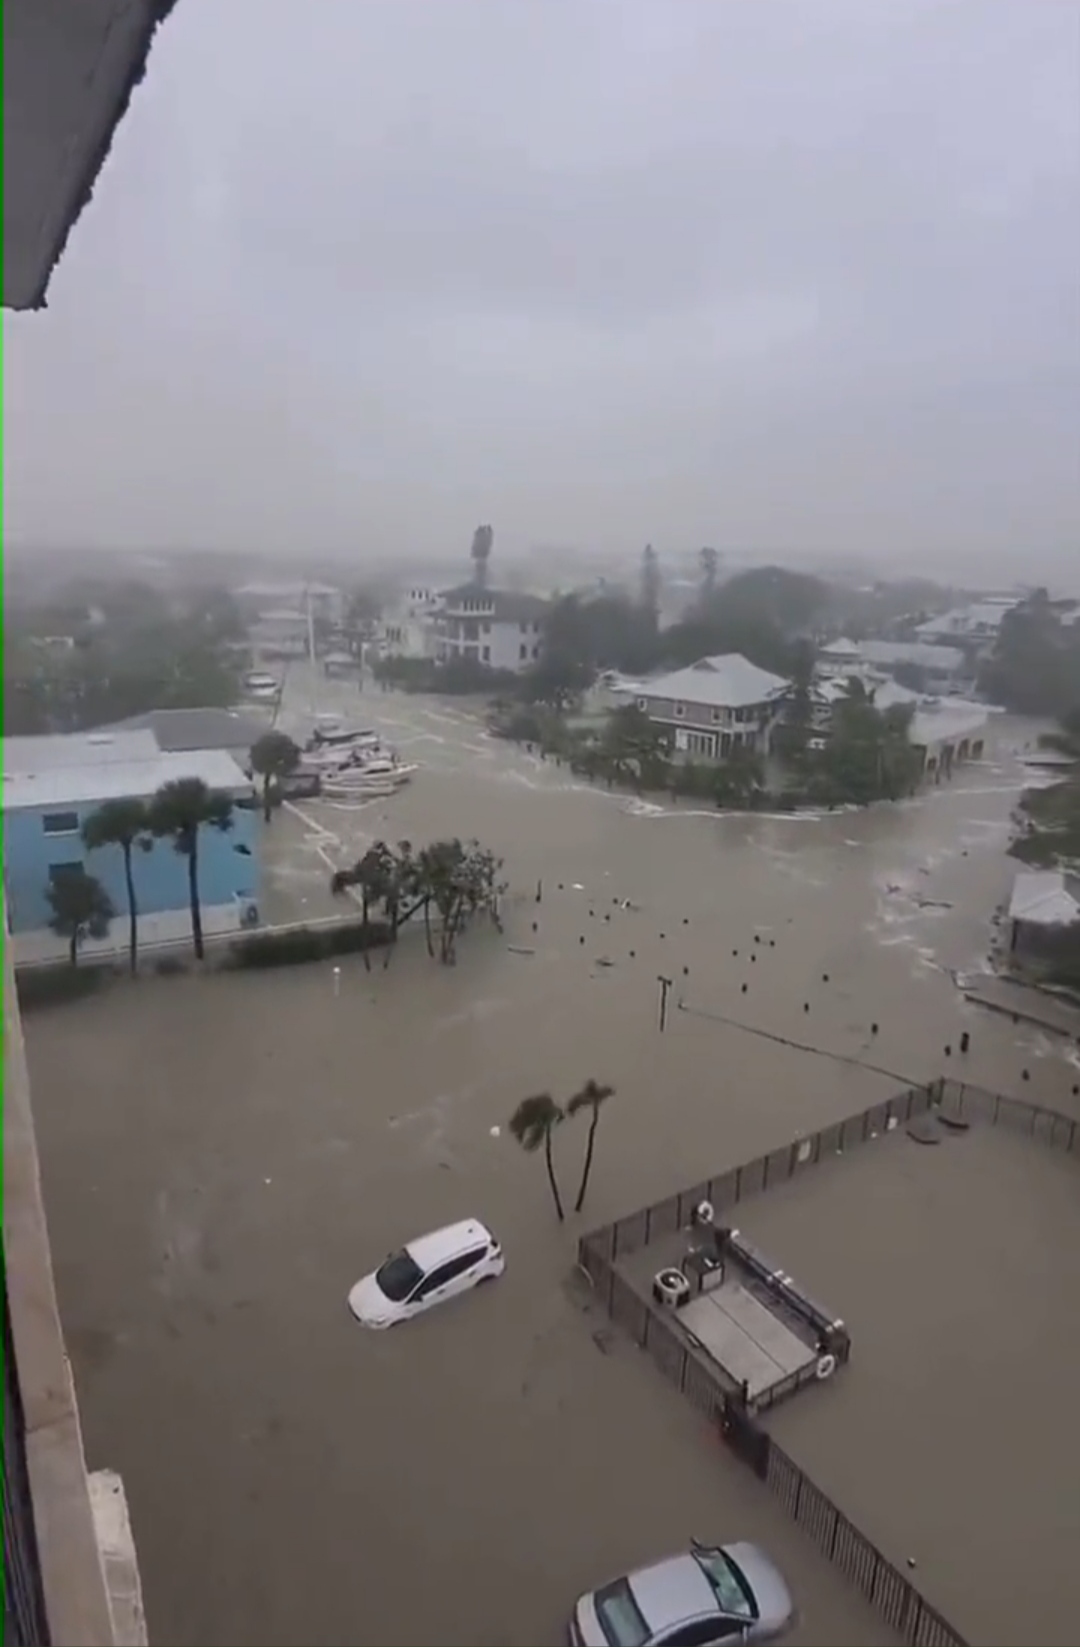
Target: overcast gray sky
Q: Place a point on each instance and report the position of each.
(793, 278)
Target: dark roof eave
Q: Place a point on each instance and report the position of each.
(156, 13)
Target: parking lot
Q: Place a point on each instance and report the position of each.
(227, 1169)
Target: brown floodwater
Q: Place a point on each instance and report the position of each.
(224, 1156)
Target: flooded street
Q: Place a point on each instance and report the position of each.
(235, 1150)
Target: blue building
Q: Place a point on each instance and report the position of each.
(53, 784)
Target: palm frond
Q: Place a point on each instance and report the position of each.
(591, 1096)
(534, 1119)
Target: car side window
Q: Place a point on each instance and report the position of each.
(703, 1632)
(460, 1265)
(437, 1278)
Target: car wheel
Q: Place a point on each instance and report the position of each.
(484, 1279)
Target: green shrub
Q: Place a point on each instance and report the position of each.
(44, 985)
(168, 966)
(307, 943)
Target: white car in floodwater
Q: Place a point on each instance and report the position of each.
(426, 1272)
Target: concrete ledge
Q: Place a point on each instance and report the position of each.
(72, 1573)
(117, 1546)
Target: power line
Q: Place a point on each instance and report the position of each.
(799, 1046)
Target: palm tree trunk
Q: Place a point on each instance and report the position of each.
(364, 924)
(552, 1180)
(587, 1167)
(266, 798)
(427, 927)
(73, 947)
(193, 893)
(133, 913)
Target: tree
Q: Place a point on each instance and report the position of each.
(740, 780)
(710, 566)
(591, 1098)
(126, 824)
(376, 876)
(482, 544)
(634, 749)
(177, 812)
(81, 909)
(273, 757)
(1034, 668)
(533, 1124)
(459, 879)
(557, 680)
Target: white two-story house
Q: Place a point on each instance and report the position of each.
(716, 705)
(496, 627)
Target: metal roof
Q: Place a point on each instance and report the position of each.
(920, 653)
(1045, 897)
(727, 681)
(195, 728)
(57, 750)
(76, 784)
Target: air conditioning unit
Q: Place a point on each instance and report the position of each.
(249, 912)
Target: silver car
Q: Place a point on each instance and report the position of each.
(710, 1594)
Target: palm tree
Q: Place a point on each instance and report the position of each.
(273, 757)
(126, 824)
(81, 908)
(178, 811)
(375, 875)
(533, 1124)
(591, 1097)
(741, 778)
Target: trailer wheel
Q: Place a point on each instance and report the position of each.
(825, 1368)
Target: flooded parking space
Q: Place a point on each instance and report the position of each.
(242, 1150)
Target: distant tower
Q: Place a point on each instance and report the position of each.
(650, 583)
(482, 543)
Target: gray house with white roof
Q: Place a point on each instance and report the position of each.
(716, 705)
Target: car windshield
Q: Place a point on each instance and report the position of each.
(732, 1591)
(398, 1276)
(619, 1615)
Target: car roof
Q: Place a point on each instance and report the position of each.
(673, 1590)
(441, 1245)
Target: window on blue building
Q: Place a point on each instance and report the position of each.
(60, 823)
(57, 872)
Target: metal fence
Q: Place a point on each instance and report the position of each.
(714, 1393)
(25, 1623)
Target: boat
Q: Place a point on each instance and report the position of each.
(380, 777)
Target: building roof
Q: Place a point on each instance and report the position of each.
(81, 782)
(104, 747)
(920, 653)
(727, 681)
(507, 605)
(1045, 897)
(842, 648)
(68, 80)
(175, 729)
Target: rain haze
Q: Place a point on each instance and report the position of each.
(793, 280)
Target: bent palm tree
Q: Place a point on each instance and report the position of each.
(122, 823)
(81, 908)
(178, 811)
(591, 1097)
(533, 1124)
(274, 757)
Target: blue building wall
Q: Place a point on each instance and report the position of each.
(161, 883)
